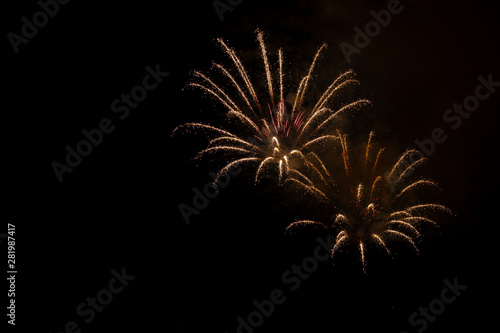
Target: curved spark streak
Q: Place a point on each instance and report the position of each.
(368, 148)
(345, 152)
(305, 82)
(245, 119)
(417, 184)
(340, 219)
(403, 236)
(299, 154)
(341, 238)
(232, 164)
(376, 162)
(351, 106)
(202, 126)
(375, 182)
(419, 219)
(312, 119)
(236, 85)
(401, 160)
(260, 38)
(319, 139)
(286, 163)
(224, 102)
(319, 162)
(398, 214)
(370, 208)
(305, 223)
(221, 148)
(280, 56)
(216, 87)
(359, 192)
(326, 95)
(311, 189)
(280, 170)
(242, 72)
(275, 141)
(362, 250)
(235, 140)
(431, 206)
(381, 242)
(261, 167)
(303, 178)
(331, 93)
(406, 225)
(410, 169)
(311, 165)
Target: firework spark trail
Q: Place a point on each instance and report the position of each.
(381, 242)
(212, 150)
(347, 76)
(410, 169)
(304, 223)
(407, 225)
(232, 164)
(227, 101)
(305, 82)
(401, 160)
(354, 106)
(380, 152)
(419, 183)
(235, 140)
(280, 56)
(303, 178)
(319, 139)
(417, 219)
(403, 236)
(345, 154)
(194, 126)
(242, 71)
(280, 134)
(262, 166)
(245, 119)
(429, 205)
(341, 238)
(368, 149)
(377, 180)
(211, 91)
(237, 86)
(317, 113)
(316, 164)
(308, 188)
(260, 38)
(336, 87)
(364, 207)
(362, 251)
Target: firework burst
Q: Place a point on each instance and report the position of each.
(368, 209)
(274, 136)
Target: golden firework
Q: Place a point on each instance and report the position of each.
(367, 208)
(267, 134)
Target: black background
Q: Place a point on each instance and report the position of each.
(119, 208)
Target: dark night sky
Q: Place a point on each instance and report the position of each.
(119, 207)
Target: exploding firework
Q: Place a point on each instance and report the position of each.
(274, 136)
(368, 209)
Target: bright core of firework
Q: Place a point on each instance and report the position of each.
(367, 209)
(273, 135)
